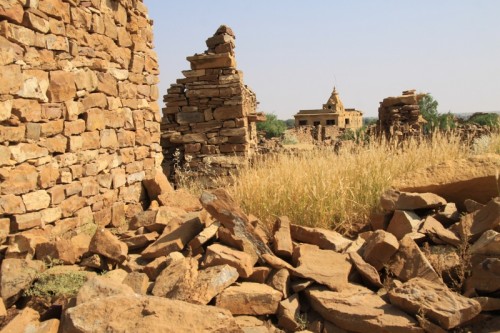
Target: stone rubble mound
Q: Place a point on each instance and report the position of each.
(206, 266)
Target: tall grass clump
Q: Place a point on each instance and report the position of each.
(340, 190)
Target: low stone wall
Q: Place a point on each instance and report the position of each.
(208, 125)
(79, 121)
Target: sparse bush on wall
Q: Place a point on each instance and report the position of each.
(272, 126)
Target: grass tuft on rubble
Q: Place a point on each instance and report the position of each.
(48, 286)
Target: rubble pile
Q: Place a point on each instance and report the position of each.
(206, 266)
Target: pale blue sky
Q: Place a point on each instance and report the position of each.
(293, 52)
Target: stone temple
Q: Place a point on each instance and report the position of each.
(332, 113)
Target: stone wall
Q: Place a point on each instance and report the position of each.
(208, 123)
(79, 121)
(400, 116)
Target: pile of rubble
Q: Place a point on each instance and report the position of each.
(400, 116)
(188, 265)
(209, 118)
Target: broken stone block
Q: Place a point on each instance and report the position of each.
(204, 236)
(177, 280)
(181, 199)
(212, 281)
(208, 61)
(367, 271)
(358, 309)
(485, 277)
(280, 280)
(223, 208)
(473, 225)
(108, 245)
(436, 231)
(217, 254)
(16, 276)
(101, 287)
(25, 321)
(139, 282)
(157, 184)
(282, 240)
(324, 239)
(412, 201)
(379, 248)
(403, 223)
(170, 316)
(435, 301)
(259, 274)
(60, 249)
(409, 262)
(388, 200)
(249, 298)
(140, 241)
(487, 244)
(323, 266)
(175, 236)
(288, 312)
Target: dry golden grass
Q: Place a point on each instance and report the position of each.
(336, 191)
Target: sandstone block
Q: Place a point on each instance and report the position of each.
(95, 119)
(139, 282)
(211, 282)
(62, 86)
(228, 112)
(324, 239)
(217, 254)
(288, 312)
(310, 263)
(10, 79)
(17, 275)
(358, 309)
(157, 184)
(170, 316)
(249, 298)
(36, 200)
(379, 248)
(27, 151)
(403, 223)
(27, 221)
(435, 301)
(20, 180)
(34, 85)
(11, 204)
(100, 287)
(367, 271)
(282, 240)
(5, 109)
(25, 321)
(108, 245)
(212, 61)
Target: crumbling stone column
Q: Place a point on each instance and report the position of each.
(400, 116)
(79, 121)
(209, 120)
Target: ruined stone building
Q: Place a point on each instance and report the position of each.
(79, 120)
(332, 113)
(400, 116)
(209, 117)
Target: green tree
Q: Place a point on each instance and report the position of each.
(428, 109)
(290, 123)
(272, 126)
(485, 119)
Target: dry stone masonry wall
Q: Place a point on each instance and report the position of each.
(209, 120)
(79, 121)
(400, 116)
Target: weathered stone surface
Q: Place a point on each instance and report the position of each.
(204, 236)
(20, 180)
(409, 262)
(280, 280)
(100, 287)
(435, 301)
(485, 276)
(62, 86)
(249, 298)
(288, 312)
(157, 184)
(436, 231)
(475, 224)
(211, 281)
(139, 282)
(16, 275)
(367, 271)
(456, 180)
(282, 240)
(11, 204)
(325, 239)
(358, 309)
(177, 281)
(217, 254)
(49, 326)
(181, 199)
(323, 266)
(212, 61)
(412, 201)
(61, 249)
(36, 200)
(379, 248)
(175, 236)
(25, 321)
(223, 208)
(108, 245)
(403, 223)
(140, 241)
(487, 244)
(170, 316)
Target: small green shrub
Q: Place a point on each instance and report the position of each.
(485, 119)
(272, 126)
(53, 285)
(290, 139)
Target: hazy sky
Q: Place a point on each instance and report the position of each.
(293, 52)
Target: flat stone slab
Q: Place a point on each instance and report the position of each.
(323, 238)
(435, 301)
(249, 298)
(358, 309)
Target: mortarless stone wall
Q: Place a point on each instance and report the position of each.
(79, 121)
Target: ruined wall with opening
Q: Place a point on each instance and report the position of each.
(208, 126)
(79, 121)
